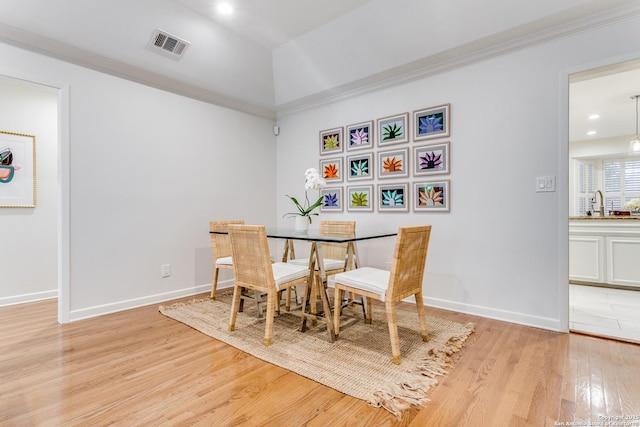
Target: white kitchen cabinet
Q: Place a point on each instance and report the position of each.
(605, 251)
(586, 258)
(623, 261)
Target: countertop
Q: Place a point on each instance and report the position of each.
(605, 218)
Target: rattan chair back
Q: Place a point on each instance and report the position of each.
(251, 257)
(221, 243)
(220, 248)
(336, 228)
(409, 258)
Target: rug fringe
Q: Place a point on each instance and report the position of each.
(397, 398)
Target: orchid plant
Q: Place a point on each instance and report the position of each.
(312, 181)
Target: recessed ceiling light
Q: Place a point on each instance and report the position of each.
(591, 132)
(225, 8)
(594, 116)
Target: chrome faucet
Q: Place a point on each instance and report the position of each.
(595, 198)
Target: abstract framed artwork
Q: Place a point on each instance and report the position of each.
(393, 130)
(331, 169)
(393, 163)
(17, 170)
(393, 197)
(331, 199)
(331, 141)
(359, 167)
(431, 196)
(431, 159)
(432, 122)
(360, 198)
(360, 136)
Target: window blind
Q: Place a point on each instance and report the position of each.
(621, 182)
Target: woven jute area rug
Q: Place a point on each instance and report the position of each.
(357, 364)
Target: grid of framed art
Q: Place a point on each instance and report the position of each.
(389, 164)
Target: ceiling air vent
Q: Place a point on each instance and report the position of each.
(170, 45)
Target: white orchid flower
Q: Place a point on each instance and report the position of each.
(313, 181)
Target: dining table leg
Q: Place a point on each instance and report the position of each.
(315, 285)
(353, 261)
(288, 253)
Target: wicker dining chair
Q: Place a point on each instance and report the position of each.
(220, 250)
(390, 287)
(254, 270)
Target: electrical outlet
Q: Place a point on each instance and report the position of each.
(165, 270)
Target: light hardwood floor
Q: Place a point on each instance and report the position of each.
(140, 368)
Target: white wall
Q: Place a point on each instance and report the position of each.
(148, 170)
(28, 253)
(502, 250)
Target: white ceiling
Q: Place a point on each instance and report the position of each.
(606, 92)
(234, 61)
(274, 22)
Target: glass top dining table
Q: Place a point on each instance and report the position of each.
(315, 235)
(316, 260)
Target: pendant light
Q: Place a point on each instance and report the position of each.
(634, 144)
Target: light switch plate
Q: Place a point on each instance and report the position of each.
(545, 184)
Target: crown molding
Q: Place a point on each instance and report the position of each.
(83, 58)
(535, 33)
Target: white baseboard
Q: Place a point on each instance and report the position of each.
(85, 313)
(101, 310)
(25, 298)
(492, 313)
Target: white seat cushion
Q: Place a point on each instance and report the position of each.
(284, 272)
(368, 279)
(329, 264)
(224, 261)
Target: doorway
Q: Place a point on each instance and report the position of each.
(604, 298)
(34, 263)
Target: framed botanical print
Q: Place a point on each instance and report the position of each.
(331, 169)
(331, 199)
(393, 197)
(17, 170)
(393, 130)
(360, 198)
(359, 167)
(360, 136)
(393, 163)
(431, 159)
(432, 122)
(331, 141)
(431, 196)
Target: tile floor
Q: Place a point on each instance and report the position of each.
(611, 313)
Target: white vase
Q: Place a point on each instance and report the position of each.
(302, 223)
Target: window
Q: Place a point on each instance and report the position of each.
(620, 183)
(586, 186)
